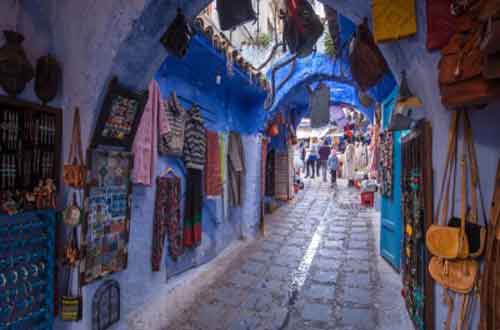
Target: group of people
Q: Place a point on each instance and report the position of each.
(320, 158)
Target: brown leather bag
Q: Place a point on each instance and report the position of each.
(75, 170)
(368, 65)
(457, 275)
(461, 77)
(442, 240)
(490, 282)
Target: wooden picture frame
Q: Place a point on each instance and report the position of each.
(119, 117)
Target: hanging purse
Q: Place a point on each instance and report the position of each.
(302, 27)
(476, 233)
(178, 35)
(233, 13)
(457, 275)
(75, 171)
(368, 65)
(72, 215)
(442, 240)
(72, 305)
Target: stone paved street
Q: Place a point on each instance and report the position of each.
(318, 267)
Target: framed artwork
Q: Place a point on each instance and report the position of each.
(119, 117)
(106, 226)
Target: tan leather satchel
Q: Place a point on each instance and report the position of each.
(74, 170)
(442, 240)
(456, 275)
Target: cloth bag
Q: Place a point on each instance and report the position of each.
(176, 38)
(75, 170)
(233, 13)
(393, 19)
(368, 65)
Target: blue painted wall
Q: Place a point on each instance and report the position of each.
(98, 39)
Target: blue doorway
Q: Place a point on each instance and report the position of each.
(391, 232)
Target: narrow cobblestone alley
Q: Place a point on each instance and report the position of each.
(318, 267)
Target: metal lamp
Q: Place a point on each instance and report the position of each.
(403, 116)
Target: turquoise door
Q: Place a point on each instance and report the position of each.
(391, 232)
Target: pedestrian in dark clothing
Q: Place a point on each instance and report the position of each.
(324, 153)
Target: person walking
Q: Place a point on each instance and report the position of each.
(312, 158)
(324, 153)
(333, 164)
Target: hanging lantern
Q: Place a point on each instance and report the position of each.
(15, 69)
(403, 116)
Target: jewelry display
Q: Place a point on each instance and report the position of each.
(30, 148)
(416, 183)
(27, 244)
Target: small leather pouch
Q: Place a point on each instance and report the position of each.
(74, 170)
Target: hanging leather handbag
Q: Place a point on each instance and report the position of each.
(302, 27)
(74, 170)
(368, 65)
(178, 35)
(441, 24)
(490, 281)
(48, 78)
(475, 233)
(461, 79)
(442, 240)
(233, 13)
(457, 275)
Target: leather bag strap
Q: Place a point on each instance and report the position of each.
(477, 194)
(452, 137)
(75, 155)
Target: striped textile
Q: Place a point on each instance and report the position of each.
(195, 141)
(172, 143)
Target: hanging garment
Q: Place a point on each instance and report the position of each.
(213, 181)
(153, 123)
(195, 141)
(167, 220)
(236, 169)
(319, 106)
(349, 162)
(233, 13)
(193, 208)
(223, 166)
(393, 19)
(172, 143)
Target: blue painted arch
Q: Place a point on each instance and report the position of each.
(317, 67)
